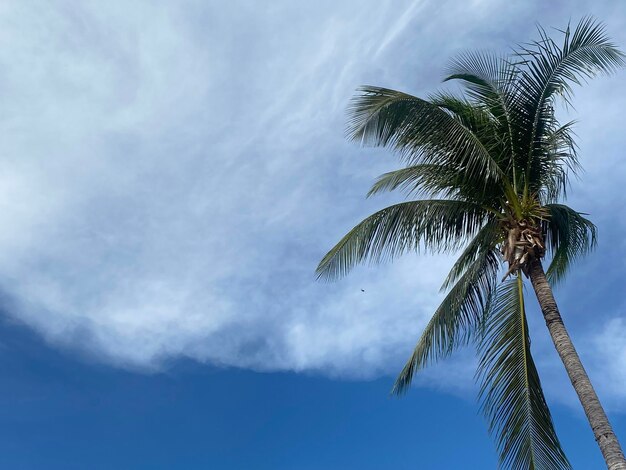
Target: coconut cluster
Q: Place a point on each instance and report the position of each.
(523, 243)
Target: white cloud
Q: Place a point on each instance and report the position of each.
(164, 181)
(607, 350)
(171, 175)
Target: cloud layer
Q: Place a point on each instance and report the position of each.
(172, 175)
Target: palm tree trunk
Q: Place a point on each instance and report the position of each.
(602, 430)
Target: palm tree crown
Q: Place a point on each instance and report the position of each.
(488, 169)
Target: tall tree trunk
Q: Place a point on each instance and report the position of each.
(602, 430)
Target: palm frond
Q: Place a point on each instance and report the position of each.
(568, 236)
(511, 394)
(438, 181)
(437, 225)
(419, 130)
(455, 320)
(489, 80)
(493, 137)
(554, 165)
(418, 180)
(487, 76)
(479, 120)
(486, 239)
(550, 70)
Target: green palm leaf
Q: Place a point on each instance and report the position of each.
(550, 70)
(480, 120)
(435, 181)
(419, 130)
(456, 318)
(557, 162)
(569, 236)
(422, 179)
(436, 225)
(485, 240)
(489, 81)
(511, 394)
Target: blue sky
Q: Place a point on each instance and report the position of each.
(171, 175)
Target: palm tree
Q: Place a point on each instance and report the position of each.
(489, 168)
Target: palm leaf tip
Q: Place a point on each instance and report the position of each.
(404, 380)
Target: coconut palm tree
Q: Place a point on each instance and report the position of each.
(489, 169)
